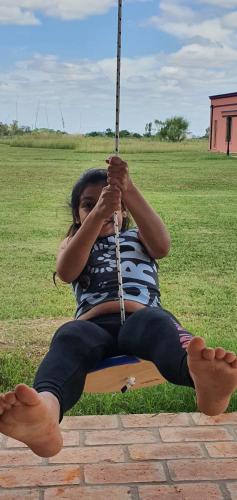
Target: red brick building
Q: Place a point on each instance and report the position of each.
(223, 123)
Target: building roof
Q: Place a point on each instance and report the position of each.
(232, 94)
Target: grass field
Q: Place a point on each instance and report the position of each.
(195, 193)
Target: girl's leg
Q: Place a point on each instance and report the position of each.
(76, 348)
(156, 335)
(32, 416)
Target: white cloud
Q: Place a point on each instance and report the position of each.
(156, 86)
(230, 20)
(200, 56)
(212, 30)
(177, 11)
(225, 4)
(77, 9)
(16, 15)
(25, 11)
(186, 23)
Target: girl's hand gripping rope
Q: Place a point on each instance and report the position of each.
(118, 174)
(109, 202)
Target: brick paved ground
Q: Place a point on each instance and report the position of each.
(132, 457)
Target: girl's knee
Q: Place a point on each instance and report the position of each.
(69, 329)
(142, 329)
(135, 327)
(141, 321)
(82, 335)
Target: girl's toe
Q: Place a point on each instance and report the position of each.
(220, 352)
(10, 398)
(195, 347)
(208, 353)
(230, 357)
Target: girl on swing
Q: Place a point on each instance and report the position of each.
(86, 258)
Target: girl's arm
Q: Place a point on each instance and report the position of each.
(152, 230)
(74, 252)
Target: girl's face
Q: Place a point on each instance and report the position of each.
(88, 200)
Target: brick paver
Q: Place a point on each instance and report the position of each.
(184, 456)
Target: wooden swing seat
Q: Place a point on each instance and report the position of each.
(122, 373)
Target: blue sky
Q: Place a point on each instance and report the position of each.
(59, 56)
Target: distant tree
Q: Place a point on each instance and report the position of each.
(4, 129)
(148, 129)
(174, 129)
(61, 132)
(26, 130)
(95, 134)
(136, 135)
(45, 130)
(109, 132)
(207, 133)
(14, 128)
(124, 133)
(158, 124)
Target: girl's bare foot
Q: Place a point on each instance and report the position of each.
(214, 373)
(32, 418)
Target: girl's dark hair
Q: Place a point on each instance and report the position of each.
(91, 176)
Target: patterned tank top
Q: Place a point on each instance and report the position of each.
(99, 279)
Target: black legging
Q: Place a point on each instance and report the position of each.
(78, 346)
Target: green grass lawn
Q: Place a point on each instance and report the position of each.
(195, 193)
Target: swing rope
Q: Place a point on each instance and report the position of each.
(116, 226)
